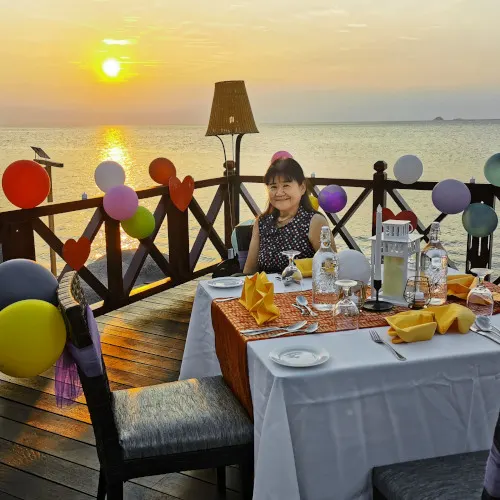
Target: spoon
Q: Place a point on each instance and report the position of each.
(484, 334)
(484, 324)
(291, 328)
(301, 309)
(302, 301)
(310, 329)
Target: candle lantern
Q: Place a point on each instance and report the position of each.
(398, 245)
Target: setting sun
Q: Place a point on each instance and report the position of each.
(111, 67)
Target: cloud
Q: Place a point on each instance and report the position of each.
(355, 25)
(321, 13)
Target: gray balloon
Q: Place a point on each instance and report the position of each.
(22, 279)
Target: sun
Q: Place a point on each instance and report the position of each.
(111, 67)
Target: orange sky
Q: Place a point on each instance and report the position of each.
(344, 59)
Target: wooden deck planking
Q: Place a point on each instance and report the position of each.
(49, 452)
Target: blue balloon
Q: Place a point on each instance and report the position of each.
(492, 170)
(479, 220)
(23, 279)
(332, 198)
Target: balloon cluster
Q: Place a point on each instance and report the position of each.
(25, 183)
(121, 202)
(32, 330)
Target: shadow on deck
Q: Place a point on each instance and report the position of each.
(47, 452)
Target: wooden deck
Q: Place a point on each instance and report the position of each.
(47, 452)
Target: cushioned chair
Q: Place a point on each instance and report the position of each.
(185, 425)
(454, 477)
(240, 239)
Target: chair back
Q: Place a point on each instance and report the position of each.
(240, 240)
(96, 388)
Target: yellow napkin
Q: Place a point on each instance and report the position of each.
(415, 326)
(258, 298)
(305, 267)
(459, 285)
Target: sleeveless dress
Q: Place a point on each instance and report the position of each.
(274, 240)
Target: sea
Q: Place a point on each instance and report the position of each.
(448, 149)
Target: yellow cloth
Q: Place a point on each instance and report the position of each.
(415, 326)
(258, 298)
(459, 285)
(305, 267)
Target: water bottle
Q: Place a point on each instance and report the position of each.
(434, 265)
(325, 271)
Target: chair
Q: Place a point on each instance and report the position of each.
(170, 427)
(240, 240)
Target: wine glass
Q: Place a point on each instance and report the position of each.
(480, 299)
(291, 273)
(345, 311)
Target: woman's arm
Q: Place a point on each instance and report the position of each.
(251, 264)
(317, 222)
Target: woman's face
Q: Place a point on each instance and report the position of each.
(285, 195)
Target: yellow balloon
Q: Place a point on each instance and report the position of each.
(32, 337)
(314, 201)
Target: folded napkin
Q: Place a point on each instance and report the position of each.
(415, 326)
(459, 285)
(258, 298)
(305, 267)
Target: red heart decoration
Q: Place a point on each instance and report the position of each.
(181, 193)
(388, 214)
(76, 253)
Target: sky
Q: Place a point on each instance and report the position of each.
(302, 61)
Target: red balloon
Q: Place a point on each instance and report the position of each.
(25, 183)
(161, 169)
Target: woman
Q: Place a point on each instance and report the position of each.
(289, 223)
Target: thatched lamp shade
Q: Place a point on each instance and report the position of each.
(231, 111)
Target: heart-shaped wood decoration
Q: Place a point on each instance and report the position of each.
(181, 193)
(388, 214)
(76, 253)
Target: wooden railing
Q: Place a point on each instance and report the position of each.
(18, 229)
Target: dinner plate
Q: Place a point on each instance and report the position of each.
(299, 356)
(225, 282)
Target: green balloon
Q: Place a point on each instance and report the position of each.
(479, 220)
(140, 225)
(492, 170)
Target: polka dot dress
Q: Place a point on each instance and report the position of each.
(274, 240)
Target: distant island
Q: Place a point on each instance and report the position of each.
(438, 119)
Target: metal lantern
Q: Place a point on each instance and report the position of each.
(398, 245)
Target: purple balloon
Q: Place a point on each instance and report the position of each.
(332, 198)
(281, 155)
(451, 196)
(121, 202)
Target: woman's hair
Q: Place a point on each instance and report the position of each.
(289, 170)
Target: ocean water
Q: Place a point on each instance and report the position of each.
(449, 149)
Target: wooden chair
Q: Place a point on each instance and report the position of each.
(171, 427)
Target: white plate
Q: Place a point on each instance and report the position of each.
(299, 356)
(225, 282)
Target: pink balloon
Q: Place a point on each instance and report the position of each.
(281, 155)
(120, 202)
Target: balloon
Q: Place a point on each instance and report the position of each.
(479, 220)
(26, 280)
(109, 174)
(314, 201)
(140, 225)
(332, 198)
(120, 202)
(492, 170)
(25, 183)
(451, 196)
(161, 170)
(280, 155)
(408, 169)
(353, 265)
(32, 337)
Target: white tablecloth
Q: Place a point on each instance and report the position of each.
(319, 431)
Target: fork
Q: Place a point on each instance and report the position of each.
(376, 338)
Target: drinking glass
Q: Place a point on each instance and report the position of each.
(345, 311)
(291, 273)
(480, 299)
(417, 292)
(357, 294)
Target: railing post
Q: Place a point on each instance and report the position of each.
(480, 250)
(379, 192)
(178, 243)
(229, 201)
(116, 293)
(18, 241)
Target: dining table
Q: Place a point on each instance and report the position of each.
(320, 430)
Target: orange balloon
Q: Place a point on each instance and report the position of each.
(25, 183)
(161, 170)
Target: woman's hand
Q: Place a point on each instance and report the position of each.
(317, 222)
(251, 264)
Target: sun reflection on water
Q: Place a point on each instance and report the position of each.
(113, 146)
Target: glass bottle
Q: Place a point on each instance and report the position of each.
(325, 271)
(434, 265)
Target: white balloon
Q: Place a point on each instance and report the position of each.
(109, 174)
(408, 169)
(353, 265)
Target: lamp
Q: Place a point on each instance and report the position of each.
(231, 114)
